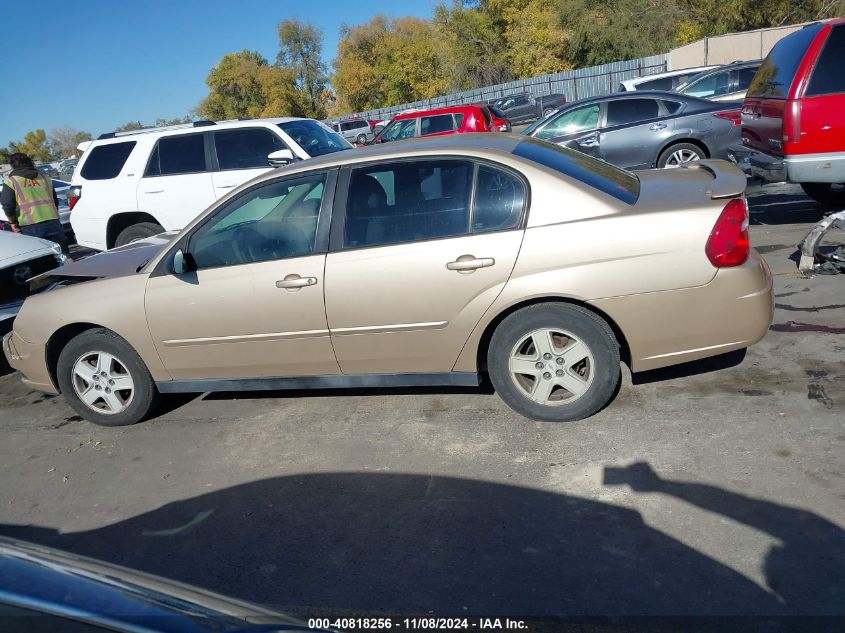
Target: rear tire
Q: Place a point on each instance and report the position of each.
(679, 154)
(104, 380)
(570, 378)
(827, 194)
(136, 232)
(362, 139)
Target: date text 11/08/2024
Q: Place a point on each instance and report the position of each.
(429, 624)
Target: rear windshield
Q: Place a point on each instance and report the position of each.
(621, 184)
(106, 161)
(777, 72)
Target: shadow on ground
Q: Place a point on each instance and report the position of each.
(366, 543)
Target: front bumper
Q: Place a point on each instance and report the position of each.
(30, 360)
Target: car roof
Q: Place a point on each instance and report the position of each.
(668, 73)
(469, 144)
(638, 94)
(446, 110)
(188, 128)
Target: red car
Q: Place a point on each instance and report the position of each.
(451, 120)
(500, 121)
(793, 117)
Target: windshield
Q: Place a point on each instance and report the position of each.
(691, 80)
(621, 184)
(314, 137)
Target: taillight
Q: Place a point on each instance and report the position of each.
(728, 244)
(73, 196)
(792, 121)
(734, 116)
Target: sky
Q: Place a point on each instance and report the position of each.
(97, 64)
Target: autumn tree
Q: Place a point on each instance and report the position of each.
(300, 51)
(388, 61)
(244, 84)
(34, 145)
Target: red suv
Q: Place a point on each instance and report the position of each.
(793, 117)
(451, 120)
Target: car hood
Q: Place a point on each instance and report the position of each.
(119, 262)
(16, 248)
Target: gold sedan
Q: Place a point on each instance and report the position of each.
(427, 262)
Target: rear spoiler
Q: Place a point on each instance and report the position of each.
(729, 180)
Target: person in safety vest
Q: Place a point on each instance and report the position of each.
(30, 202)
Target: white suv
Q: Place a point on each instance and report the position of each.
(130, 185)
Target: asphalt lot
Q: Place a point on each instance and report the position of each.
(709, 489)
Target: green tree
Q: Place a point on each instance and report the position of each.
(388, 61)
(244, 84)
(300, 50)
(130, 126)
(715, 17)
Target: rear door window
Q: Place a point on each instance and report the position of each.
(245, 148)
(436, 124)
(829, 76)
(663, 83)
(626, 111)
(106, 161)
(184, 154)
(499, 200)
(778, 70)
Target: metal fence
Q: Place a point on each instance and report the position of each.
(575, 84)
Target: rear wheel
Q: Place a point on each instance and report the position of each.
(679, 154)
(362, 139)
(136, 232)
(554, 362)
(828, 194)
(104, 379)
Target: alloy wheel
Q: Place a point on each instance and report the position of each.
(681, 157)
(551, 366)
(102, 382)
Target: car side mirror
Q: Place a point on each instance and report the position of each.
(180, 263)
(280, 158)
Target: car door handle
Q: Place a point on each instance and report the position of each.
(227, 186)
(153, 190)
(657, 126)
(470, 263)
(295, 282)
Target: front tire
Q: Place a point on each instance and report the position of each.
(554, 362)
(827, 194)
(104, 380)
(136, 232)
(680, 154)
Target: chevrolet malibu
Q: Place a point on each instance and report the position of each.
(426, 262)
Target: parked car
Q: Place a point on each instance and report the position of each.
(525, 107)
(793, 118)
(354, 130)
(668, 80)
(130, 185)
(429, 262)
(451, 120)
(22, 257)
(500, 121)
(641, 130)
(43, 589)
(723, 83)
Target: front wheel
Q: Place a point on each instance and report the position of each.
(104, 380)
(136, 232)
(679, 155)
(362, 139)
(554, 362)
(828, 194)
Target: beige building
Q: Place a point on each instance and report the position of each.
(723, 49)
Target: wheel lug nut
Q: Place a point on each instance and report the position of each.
(97, 387)
(547, 356)
(559, 372)
(96, 377)
(111, 382)
(559, 360)
(539, 365)
(547, 375)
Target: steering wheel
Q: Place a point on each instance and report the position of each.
(250, 245)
